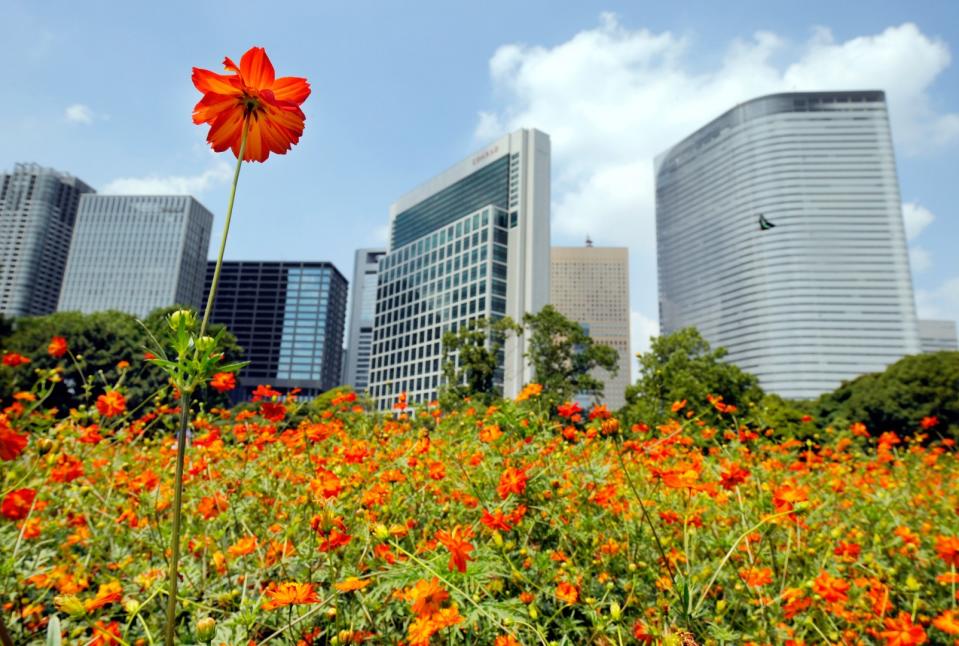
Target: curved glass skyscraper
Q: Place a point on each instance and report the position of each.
(780, 237)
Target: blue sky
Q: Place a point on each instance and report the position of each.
(402, 90)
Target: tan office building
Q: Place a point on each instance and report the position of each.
(590, 285)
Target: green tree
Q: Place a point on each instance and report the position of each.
(97, 343)
(682, 366)
(897, 399)
(564, 356)
(470, 359)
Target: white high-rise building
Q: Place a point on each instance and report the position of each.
(780, 237)
(356, 369)
(471, 243)
(135, 253)
(590, 285)
(38, 209)
(936, 336)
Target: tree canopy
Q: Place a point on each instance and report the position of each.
(470, 359)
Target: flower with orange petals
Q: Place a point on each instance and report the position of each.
(900, 631)
(111, 403)
(352, 583)
(506, 640)
(223, 382)
(947, 547)
(244, 546)
(947, 622)
(929, 421)
(831, 589)
(457, 542)
(57, 347)
(16, 504)
(567, 592)
(12, 443)
(108, 593)
(13, 359)
(756, 577)
(254, 98)
(426, 597)
(289, 594)
(105, 634)
(512, 481)
(212, 506)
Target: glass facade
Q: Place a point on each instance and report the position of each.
(432, 285)
(823, 295)
(135, 253)
(488, 186)
(362, 312)
(288, 317)
(38, 209)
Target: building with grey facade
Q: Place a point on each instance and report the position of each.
(471, 243)
(135, 253)
(356, 371)
(935, 336)
(288, 317)
(590, 285)
(780, 237)
(38, 208)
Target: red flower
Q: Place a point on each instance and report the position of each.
(67, 469)
(223, 382)
(733, 476)
(111, 403)
(273, 411)
(947, 547)
(16, 504)
(569, 409)
(12, 443)
(264, 392)
(251, 95)
(13, 359)
(928, 422)
(457, 542)
(57, 347)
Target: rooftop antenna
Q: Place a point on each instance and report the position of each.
(589, 243)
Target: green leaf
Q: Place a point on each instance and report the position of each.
(53, 631)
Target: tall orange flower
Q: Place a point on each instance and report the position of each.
(111, 403)
(288, 594)
(457, 542)
(251, 95)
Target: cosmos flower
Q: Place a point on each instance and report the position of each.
(251, 97)
(57, 347)
(289, 594)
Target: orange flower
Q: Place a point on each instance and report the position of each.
(104, 634)
(108, 593)
(223, 382)
(244, 546)
(57, 347)
(426, 597)
(947, 622)
(289, 594)
(456, 541)
(567, 592)
(756, 577)
(253, 97)
(947, 547)
(506, 640)
(16, 504)
(212, 506)
(111, 403)
(67, 469)
(831, 589)
(13, 359)
(902, 632)
(512, 481)
(352, 583)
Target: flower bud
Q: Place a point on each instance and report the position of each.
(183, 318)
(497, 539)
(206, 629)
(615, 611)
(205, 344)
(381, 531)
(131, 606)
(70, 604)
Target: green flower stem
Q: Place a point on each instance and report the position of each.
(170, 631)
(226, 229)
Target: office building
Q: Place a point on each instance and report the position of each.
(38, 208)
(135, 253)
(935, 336)
(362, 310)
(471, 243)
(288, 317)
(780, 237)
(590, 285)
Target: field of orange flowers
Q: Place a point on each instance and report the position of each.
(520, 523)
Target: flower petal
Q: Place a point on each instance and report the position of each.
(226, 131)
(230, 65)
(256, 69)
(207, 81)
(210, 107)
(291, 88)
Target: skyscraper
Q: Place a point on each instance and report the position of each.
(362, 310)
(780, 237)
(135, 253)
(38, 208)
(590, 285)
(288, 317)
(473, 242)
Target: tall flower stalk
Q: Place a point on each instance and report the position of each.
(253, 113)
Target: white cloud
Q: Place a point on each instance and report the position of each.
(916, 218)
(641, 328)
(920, 259)
(612, 98)
(220, 173)
(79, 113)
(941, 302)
